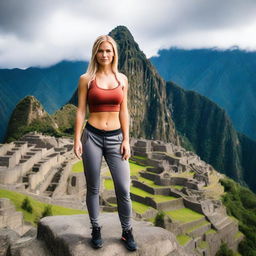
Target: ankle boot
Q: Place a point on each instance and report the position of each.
(128, 239)
(96, 240)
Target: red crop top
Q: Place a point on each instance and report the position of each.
(104, 100)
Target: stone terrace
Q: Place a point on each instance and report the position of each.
(179, 183)
(172, 179)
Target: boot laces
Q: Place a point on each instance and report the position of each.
(128, 234)
(96, 232)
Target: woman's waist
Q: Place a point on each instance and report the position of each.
(109, 122)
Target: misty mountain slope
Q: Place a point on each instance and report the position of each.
(52, 86)
(212, 134)
(226, 77)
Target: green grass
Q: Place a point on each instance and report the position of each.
(139, 207)
(203, 245)
(178, 187)
(183, 239)
(38, 207)
(78, 167)
(211, 231)
(238, 234)
(109, 184)
(112, 204)
(150, 183)
(140, 157)
(184, 215)
(197, 226)
(151, 220)
(157, 198)
(134, 169)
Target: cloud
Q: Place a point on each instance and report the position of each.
(43, 32)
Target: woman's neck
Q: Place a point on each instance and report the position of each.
(105, 70)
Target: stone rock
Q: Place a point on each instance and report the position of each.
(7, 236)
(70, 235)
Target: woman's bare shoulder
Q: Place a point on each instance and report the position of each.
(123, 78)
(84, 77)
(83, 80)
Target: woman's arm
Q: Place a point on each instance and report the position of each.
(124, 120)
(124, 113)
(80, 113)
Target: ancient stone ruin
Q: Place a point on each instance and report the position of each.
(172, 180)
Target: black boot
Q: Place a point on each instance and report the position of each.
(96, 240)
(128, 239)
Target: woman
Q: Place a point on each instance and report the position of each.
(106, 133)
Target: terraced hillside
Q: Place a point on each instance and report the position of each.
(186, 189)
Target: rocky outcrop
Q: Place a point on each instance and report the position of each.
(28, 112)
(30, 115)
(70, 236)
(150, 117)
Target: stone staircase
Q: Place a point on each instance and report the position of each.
(55, 180)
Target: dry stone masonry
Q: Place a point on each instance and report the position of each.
(172, 180)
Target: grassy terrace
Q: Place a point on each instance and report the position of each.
(203, 245)
(157, 198)
(211, 231)
(150, 183)
(38, 206)
(139, 207)
(184, 215)
(198, 226)
(183, 239)
(78, 167)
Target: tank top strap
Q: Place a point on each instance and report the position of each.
(119, 83)
(91, 83)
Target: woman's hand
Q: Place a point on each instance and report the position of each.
(78, 149)
(125, 149)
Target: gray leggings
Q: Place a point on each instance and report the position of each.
(97, 143)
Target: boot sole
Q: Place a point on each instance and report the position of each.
(96, 246)
(126, 245)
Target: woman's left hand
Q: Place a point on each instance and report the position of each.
(125, 150)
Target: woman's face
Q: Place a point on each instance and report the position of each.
(105, 53)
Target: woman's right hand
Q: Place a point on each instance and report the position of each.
(78, 149)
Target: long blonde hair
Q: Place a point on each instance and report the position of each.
(93, 65)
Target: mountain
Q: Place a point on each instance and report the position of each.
(161, 110)
(207, 130)
(52, 86)
(150, 117)
(29, 115)
(227, 77)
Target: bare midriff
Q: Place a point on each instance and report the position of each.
(105, 120)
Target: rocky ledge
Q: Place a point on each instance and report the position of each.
(70, 235)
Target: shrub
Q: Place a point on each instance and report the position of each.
(47, 211)
(159, 219)
(26, 205)
(224, 251)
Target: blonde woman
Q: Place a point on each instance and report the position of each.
(106, 133)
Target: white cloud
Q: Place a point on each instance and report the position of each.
(43, 32)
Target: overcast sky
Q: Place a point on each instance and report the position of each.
(44, 32)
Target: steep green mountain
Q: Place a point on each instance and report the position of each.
(29, 115)
(241, 203)
(203, 126)
(227, 77)
(52, 86)
(208, 131)
(149, 116)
